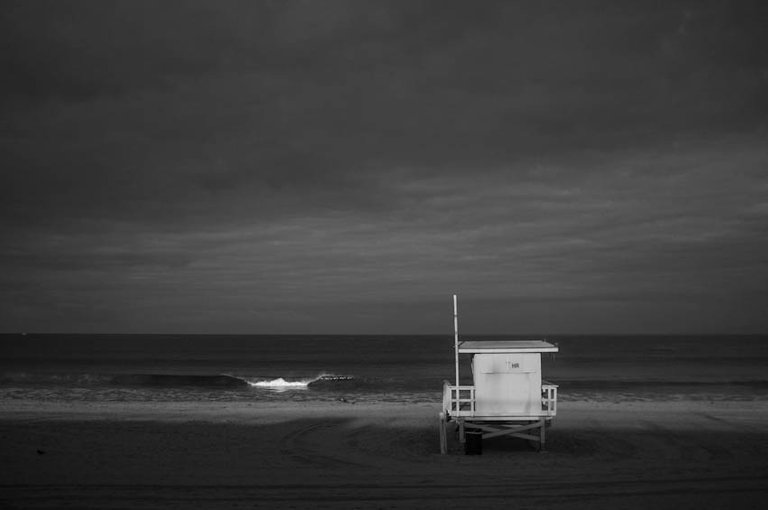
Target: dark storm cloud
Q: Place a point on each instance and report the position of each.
(231, 166)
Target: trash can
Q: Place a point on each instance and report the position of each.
(473, 442)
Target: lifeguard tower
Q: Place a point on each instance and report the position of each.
(508, 397)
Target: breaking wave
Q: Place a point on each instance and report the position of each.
(321, 382)
(324, 381)
(316, 382)
(279, 383)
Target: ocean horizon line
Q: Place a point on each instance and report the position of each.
(336, 335)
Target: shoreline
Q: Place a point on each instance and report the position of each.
(269, 410)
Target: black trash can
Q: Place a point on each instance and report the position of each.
(473, 443)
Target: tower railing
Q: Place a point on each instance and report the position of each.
(461, 400)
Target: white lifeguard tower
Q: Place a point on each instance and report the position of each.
(508, 397)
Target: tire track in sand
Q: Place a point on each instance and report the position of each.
(301, 446)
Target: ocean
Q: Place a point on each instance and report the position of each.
(408, 369)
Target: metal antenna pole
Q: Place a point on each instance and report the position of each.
(456, 342)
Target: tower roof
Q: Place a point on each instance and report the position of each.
(505, 346)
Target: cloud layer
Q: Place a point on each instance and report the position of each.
(346, 166)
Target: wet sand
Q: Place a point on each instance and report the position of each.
(682, 454)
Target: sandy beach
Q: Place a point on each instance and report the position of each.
(691, 454)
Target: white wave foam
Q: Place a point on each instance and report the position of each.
(281, 383)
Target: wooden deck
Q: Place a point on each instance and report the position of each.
(459, 406)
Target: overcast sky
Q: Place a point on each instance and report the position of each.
(344, 167)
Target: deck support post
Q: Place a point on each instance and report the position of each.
(542, 434)
(443, 434)
(462, 438)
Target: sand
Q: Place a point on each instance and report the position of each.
(682, 454)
